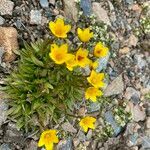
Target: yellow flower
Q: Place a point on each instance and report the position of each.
(100, 50)
(81, 57)
(85, 35)
(92, 92)
(59, 29)
(59, 54)
(87, 122)
(93, 65)
(48, 138)
(71, 62)
(96, 79)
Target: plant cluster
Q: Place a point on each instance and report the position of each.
(49, 80)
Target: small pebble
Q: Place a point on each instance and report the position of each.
(6, 7)
(2, 20)
(35, 17)
(44, 3)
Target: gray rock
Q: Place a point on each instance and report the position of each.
(102, 63)
(32, 145)
(35, 17)
(100, 13)
(65, 145)
(2, 20)
(93, 107)
(146, 142)
(133, 138)
(6, 7)
(140, 61)
(138, 112)
(86, 7)
(71, 10)
(2, 51)
(132, 94)
(81, 136)
(68, 127)
(3, 109)
(148, 123)
(4, 147)
(44, 3)
(115, 87)
(110, 119)
(89, 135)
(13, 135)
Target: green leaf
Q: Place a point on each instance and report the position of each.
(36, 61)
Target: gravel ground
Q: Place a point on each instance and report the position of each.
(128, 68)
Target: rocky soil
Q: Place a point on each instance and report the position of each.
(128, 68)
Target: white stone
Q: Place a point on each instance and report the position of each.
(35, 17)
(6, 7)
(100, 13)
(71, 10)
(115, 87)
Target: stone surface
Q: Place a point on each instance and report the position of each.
(44, 3)
(137, 111)
(132, 94)
(148, 122)
(140, 61)
(6, 7)
(102, 63)
(8, 40)
(115, 87)
(86, 7)
(4, 147)
(65, 145)
(13, 135)
(124, 50)
(70, 9)
(3, 109)
(146, 143)
(35, 17)
(68, 127)
(32, 145)
(93, 107)
(2, 51)
(81, 136)
(132, 41)
(110, 119)
(2, 20)
(52, 2)
(100, 13)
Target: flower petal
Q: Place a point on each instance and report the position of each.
(49, 146)
(59, 22)
(64, 48)
(67, 28)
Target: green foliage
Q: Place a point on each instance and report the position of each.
(122, 117)
(39, 90)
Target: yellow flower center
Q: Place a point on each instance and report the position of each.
(58, 31)
(94, 80)
(59, 57)
(85, 122)
(98, 51)
(80, 58)
(48, 138)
